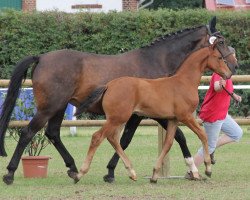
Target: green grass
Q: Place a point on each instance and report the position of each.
(230, 179)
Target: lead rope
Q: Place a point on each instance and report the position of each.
(236, 103)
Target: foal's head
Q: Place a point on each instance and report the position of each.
(221, 60)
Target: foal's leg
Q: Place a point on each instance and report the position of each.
(96, 140)
(126, 138)
(180, 138)
(27, 133)
(199, 131)
(113, 138)
(53, 133)
(171, 129)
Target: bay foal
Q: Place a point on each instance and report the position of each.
(174, 98)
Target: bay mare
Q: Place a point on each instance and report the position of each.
(67, 76)
(174, 98)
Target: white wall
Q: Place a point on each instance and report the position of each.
(65, 5)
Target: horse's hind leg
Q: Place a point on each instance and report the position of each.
(113, 138)
(126, 138)
(180, 138)
(171, 129)
(27, 133)
(196, 128)
(96, 140)
(53, 133)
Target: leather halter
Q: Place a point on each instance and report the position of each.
(218, 35)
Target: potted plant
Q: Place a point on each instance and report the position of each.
(34, 165)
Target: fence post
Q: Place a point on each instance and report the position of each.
(165, 169)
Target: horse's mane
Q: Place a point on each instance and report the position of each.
(173, 35)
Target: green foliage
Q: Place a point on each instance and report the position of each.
(37, 144)
(24, 34)
(39, 141)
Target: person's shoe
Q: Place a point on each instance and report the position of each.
(213, 161)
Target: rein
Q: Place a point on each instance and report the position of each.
(237, 103)
(229, 93)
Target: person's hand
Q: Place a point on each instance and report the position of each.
(218, 85)
(222, 82)
(237, 97)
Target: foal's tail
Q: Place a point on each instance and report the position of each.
(18, 75)
(94, 97)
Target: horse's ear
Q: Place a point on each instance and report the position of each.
(212, 25)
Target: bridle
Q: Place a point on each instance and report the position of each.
(217, 35)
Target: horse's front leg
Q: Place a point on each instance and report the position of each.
(126, 138)
(198, 130)
(171, 129)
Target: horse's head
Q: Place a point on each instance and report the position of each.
(222, 59)
(226, 53)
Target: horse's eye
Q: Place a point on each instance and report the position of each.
(221, 42)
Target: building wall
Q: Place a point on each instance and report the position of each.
(239, 5)
(129, 4)
(28, 5)
(66, 6)
(70, 5)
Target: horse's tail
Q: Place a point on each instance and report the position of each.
(18, 75)
(94, 97)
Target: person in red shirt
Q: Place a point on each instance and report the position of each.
(215, 117)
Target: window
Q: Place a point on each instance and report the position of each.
(226, 2)
(16, 4)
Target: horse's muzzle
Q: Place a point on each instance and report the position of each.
(233, 67)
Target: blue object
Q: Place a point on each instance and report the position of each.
(25, 107)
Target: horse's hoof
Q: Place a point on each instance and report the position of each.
(134, 178)
(209, 174)
(109, 179)
(76, 180)
(72, 174)
(194, 177)
(8, 179)
(153, 180)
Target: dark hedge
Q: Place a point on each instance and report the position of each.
(24, 34)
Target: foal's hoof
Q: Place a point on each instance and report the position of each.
(109, 179)
(134, 178)
(8, 179)
(190, 176)
(209, 174)
(153, 180)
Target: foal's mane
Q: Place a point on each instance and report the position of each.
(173, 35)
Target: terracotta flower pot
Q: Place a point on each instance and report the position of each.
(35, 166)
